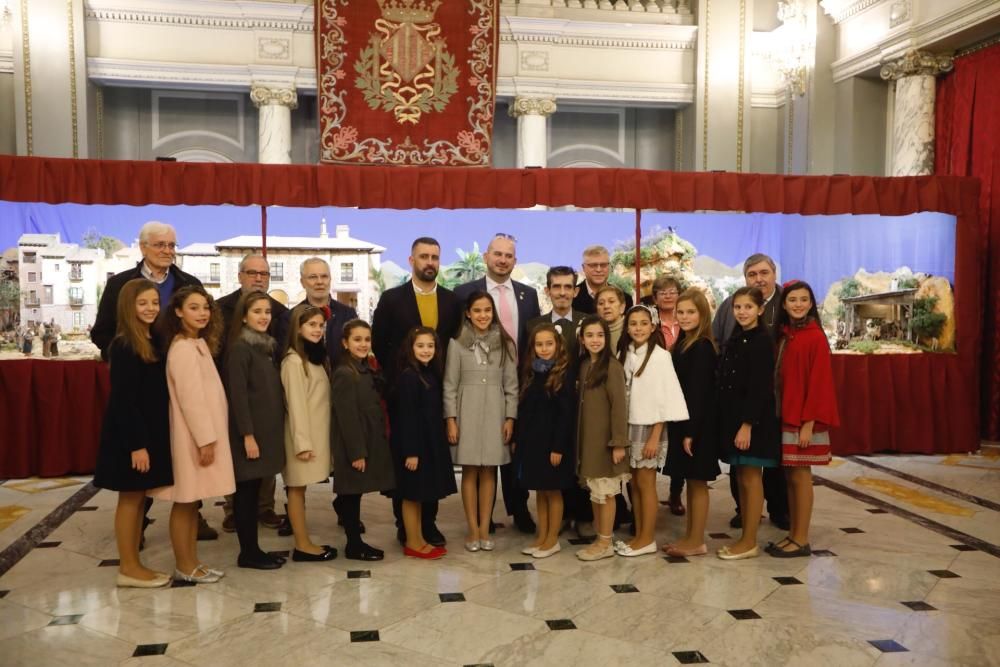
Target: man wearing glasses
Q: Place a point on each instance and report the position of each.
(516, 304)
(314, 275)
(255, 276)
(596, 268)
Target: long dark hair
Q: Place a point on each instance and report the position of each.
(169, 324)
(242, 308)
(558, 373)
(407, 359)
(598, 373)
(783, 317)
(655, 338)
(507, 343)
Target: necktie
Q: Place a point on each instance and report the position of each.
(506, 317)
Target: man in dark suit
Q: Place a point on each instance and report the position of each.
(561, 288)
(254, 276)
(517, 304)
(158, 245)
(759, 271)
(315, 278)
(596, 267)
(417, 302)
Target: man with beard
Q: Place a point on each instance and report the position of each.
(417, 302)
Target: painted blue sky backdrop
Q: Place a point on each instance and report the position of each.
(819, 249)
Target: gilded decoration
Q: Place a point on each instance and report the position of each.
(917, 63)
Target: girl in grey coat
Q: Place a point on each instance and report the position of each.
(361, 459)
(480, 405)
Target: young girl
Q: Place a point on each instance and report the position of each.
(692, 454)
(199, 429)
(543, 438)
(480, 405)
(256, 419)
(808, 408)
(134, 456)
(304, 375)
(419, 446)
(610, 304)
(361, 459)
(602, 431)
(749, 429)
(654, 398)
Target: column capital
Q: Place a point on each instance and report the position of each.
(262, 95)
(532, 106)
(917, 63)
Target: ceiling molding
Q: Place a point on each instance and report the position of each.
(841, 10)
(594, 34)
(208, 14)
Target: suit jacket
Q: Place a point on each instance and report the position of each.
(106, 324)
(397, 313)
(278, 329)
(568, 334)
(725, 323)
(527, 304)
(340, 314)
(585, 303)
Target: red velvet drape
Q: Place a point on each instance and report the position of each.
(968, 144)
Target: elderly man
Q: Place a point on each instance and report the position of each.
(158, 245)
(255, 276)
(419, 302)
(314, 275)
(596, 268)
(517, 304)
(759, 271)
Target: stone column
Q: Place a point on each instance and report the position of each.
(913, 110)
(532, 135)
(275, 123)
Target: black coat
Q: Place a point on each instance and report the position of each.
(417, 429)
(357, 431)
(137, 417)
(746, 394)
(106, 323)
(585, 303)
(695, 368)
(527, 304)
(397, 313)
(546, 425)
(340, 314)
(277, 329)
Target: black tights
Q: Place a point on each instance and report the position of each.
(245, 515)
(348, 508)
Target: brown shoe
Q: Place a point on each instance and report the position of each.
(205, 531)
(269, 519)
(229, 524)
(676, 506)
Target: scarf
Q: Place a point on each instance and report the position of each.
(315, 352)
(616, 335)
(480, 343)
(542, 365)
(259, 340)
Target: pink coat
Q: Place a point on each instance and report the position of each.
(198, 416)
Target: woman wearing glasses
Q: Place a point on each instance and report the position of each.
(666, 289)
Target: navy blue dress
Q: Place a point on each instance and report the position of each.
(695, 368)
(546, 424)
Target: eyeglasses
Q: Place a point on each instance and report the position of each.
(313, 277)
(254, 274)
(502, 235)
(667, 292)
(161, 245)
(597, 266)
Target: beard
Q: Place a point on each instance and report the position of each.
(427, 273)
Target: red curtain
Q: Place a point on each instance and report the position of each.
(968, 144)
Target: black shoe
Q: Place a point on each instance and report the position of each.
(285, 529)
(363, 552)
(525, 523)
(780, 521)
(401, 535)
(434, 537)
(330, 550)
(303, 557)
(736, 521)
(258, 562)
(276, 557)
(205, 531)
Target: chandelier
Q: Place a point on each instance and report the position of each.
(793, 46)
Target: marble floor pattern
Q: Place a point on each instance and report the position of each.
(906, 572)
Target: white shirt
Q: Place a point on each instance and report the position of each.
(556, 317)
(420, 291)
(147, 273)
(656, 395)
(493, 288)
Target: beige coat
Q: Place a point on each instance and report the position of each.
(307, 424)
(199, 416)
(602, 423)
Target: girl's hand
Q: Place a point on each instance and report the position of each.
(250, 445)
(358, 465)
(617, 455)
(742, 440)
(452, 431)
(140, 460)
(513, 446)
(806, 434)
(307, 455)
(688, 442)
(206, 455)
(555, 458)
(411, 463)
(508, 430)
(650, 450)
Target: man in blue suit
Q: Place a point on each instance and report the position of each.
(517, 304)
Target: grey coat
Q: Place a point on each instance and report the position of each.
(358, 431)
(480, 396)
(256, 406)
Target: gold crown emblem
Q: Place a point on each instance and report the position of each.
(408, 11)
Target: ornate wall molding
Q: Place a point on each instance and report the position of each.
(917, 63)
(531, 106)
(592, 34)
(741, 101)
(6, 62)
(841, 10)
(209, 14)
(262, 96)
(74, 117)
(26, 55)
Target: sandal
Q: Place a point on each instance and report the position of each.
(800, 551)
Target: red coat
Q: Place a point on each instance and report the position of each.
(807, 378)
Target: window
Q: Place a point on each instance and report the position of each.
(76, 294)
(29, 258)
(57, 268)
(32, 276)
(32, 296)
(278, 271)
(347, 273)
(48, 294)
(78, 319)
(213, 272)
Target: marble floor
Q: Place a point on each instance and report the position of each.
(906, 572)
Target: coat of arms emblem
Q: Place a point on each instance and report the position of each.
(406, 67)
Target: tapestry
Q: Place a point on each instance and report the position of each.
(406, 82)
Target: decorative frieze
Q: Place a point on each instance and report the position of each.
(532, 106)
(263, 96)
(917, 63)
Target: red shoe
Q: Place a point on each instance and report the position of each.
(433, 554)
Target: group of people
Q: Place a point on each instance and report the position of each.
(583, 405)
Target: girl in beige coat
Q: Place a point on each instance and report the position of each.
(305, 377)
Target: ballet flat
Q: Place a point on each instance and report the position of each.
(725, 554)
(529, 551)
(194, 578)
(487, 545)
(472, 546)
(159, 581)
(545, 553)
(587, 555)
(219, 573)
(629, 552)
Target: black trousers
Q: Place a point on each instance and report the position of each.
(576, 504)
(428, 513)
(515, 497)
(775, 491)
(348, 507)
(676, 485)
(245, 516)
